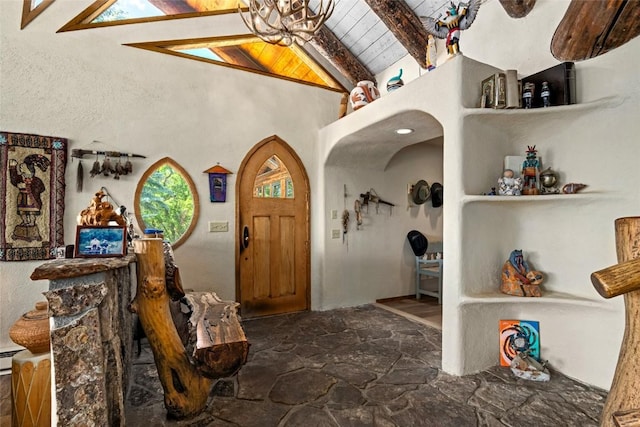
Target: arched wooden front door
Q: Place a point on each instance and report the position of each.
(272, 244)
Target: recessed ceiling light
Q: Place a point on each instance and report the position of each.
(404, 131)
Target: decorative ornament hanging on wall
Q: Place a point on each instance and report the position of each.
(218, 183)
(107, 167)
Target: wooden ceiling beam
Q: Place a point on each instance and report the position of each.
(405, 26)
(517, 8)
(591, 28)
(329, 46)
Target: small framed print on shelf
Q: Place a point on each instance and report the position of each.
(100, 241)
(487, 96)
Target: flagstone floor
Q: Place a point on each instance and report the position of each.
(363, 366)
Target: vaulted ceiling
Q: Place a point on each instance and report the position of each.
(359, 40)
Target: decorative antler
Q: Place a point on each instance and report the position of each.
(285, 21)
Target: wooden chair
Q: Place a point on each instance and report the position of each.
(428, 262)
(430, 265)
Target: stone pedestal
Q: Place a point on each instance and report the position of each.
(31, 389)
(91, 337)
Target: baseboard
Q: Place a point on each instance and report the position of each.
(5, 358)
(383, 300)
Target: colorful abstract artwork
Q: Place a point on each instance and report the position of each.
(518, 336)
(31, 196)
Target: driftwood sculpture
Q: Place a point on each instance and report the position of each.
(622, 407)
(215, 343)
(100, 213)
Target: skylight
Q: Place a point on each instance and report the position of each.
(128, 9)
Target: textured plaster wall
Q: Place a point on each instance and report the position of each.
(376, 261)
(86, 86)
(571, 240)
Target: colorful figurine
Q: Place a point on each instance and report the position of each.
(432, 53)
(531, 171)
(449, 24)
(518, 278)
(508, 185)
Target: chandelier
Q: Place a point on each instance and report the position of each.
(286, 21)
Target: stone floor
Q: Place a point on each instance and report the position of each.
(363, 366)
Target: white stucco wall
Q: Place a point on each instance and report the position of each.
(568, 240)
(86, 86)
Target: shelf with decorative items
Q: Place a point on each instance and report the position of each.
(491, 135)
(551, 297)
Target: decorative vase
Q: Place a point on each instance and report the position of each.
(364, 93)
(31, 330)
(395, 82)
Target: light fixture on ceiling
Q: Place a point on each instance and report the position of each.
(404, 131)
(286, 21)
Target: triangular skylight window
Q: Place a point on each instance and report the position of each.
(115, 12)
(31, 9)
(249, 53)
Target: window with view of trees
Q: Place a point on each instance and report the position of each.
(166, 199)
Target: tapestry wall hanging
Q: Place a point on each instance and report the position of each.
(31, 196)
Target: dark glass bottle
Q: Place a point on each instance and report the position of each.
(527, 95)
(545, 94)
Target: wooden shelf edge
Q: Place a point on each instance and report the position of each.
(606, 102)
(548, 297)
(533, 199)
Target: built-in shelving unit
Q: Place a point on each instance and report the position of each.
(556, 232)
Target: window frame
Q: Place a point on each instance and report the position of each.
(192, 187)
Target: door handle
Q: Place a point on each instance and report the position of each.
(245, 237)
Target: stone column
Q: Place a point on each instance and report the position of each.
(91, 338)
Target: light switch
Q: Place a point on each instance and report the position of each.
(334, 214)
(218, 226)
(335, 234)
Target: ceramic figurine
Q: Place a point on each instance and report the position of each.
(572, 188)
(548, 181)
(364, 93)
(449, 24)
(395, 82)
(518, 278)
(432, 53)
(531, 171)
(508, 185)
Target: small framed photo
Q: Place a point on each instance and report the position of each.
(100, 241)
(487, 96)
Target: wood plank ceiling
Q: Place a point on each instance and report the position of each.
(360, 39)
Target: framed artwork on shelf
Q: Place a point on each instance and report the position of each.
(518, 336)
(100, 241)
(488, 92)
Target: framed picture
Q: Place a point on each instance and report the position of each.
(487, 96)
(96, 241)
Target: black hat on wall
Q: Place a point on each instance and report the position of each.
(437, 195)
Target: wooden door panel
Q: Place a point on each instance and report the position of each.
(260, 244)
(273, 270)
(285, 283)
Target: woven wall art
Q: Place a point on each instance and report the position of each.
(31, 196)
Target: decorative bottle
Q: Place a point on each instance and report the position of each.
(527, 95)
(545, 94)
